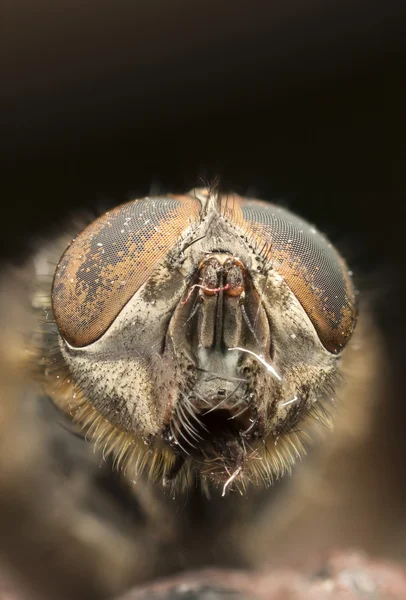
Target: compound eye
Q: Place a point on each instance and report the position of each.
(111, 259)
(311, 267)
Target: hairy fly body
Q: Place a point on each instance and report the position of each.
(198, 334)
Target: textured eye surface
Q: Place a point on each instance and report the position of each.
(111, 259)
(311, 267)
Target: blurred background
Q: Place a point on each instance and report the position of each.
(297, 102)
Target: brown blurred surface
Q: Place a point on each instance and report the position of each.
(9, 588)
(344, 576)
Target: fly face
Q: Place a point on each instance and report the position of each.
(200, 331)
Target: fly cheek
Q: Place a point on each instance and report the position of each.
(111, 260)
(310, 266)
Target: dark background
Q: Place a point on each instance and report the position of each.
(301, 102)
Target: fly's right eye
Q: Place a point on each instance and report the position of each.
(111, 259)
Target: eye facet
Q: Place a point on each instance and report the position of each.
(111, 259)
(310, 265)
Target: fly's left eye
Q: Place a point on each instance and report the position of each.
(111, 259)
(311, 267)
